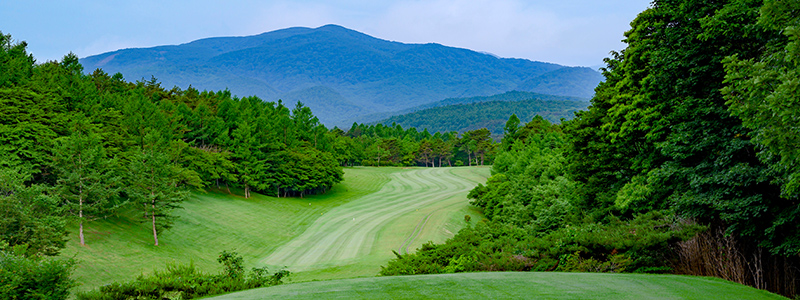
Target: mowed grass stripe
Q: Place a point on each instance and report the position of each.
(437, 218)
(442, 188)
(407, 243)
(512, 285)
(336, 238)
(434, 192)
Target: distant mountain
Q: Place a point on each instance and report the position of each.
(579, 81)
(339, 73)
(472, 113)
(507, 96)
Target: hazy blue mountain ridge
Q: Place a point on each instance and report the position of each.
(339, 73)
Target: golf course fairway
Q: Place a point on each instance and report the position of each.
(347, 232)
(512, 285)
(415, 206)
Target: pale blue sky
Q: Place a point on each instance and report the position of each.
(569, 32)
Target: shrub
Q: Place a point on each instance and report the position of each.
(186, 282)
(641, 245)
(34, 277)
(617, 263)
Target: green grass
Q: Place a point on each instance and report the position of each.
(512, 285)
(356, 238)
(315, 236)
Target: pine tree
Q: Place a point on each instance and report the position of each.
(152, 184)
(87, 179)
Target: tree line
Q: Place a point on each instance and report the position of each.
(686, 161)
(381, 145)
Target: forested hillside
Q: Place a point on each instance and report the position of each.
(490, 115)
(686, 161)
(339, 73)
(507, 96)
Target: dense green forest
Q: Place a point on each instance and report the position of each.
(78, 147)
(686, 161)
(489, 115)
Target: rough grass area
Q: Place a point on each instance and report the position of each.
(388, 204)
(512, 285)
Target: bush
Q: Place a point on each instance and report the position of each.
(617, 263)
(186, 282)
(640, 245)
(34, 277)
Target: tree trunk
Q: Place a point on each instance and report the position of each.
(469, 158)
(80, 215)
(80, 212)
(81, 233)
(155, 233)
(153, 214)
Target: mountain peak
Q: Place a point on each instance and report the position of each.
(339, 72)
(333, 27)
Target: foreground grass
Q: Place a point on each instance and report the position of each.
(260, 228)
(512, 285)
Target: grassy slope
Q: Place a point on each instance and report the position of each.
(121, 248)
(512, 285)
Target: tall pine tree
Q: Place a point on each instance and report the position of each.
(87, 180)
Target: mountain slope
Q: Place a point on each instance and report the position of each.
(565, 81)
(507, 96)
(357, 73)
(464, 114)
